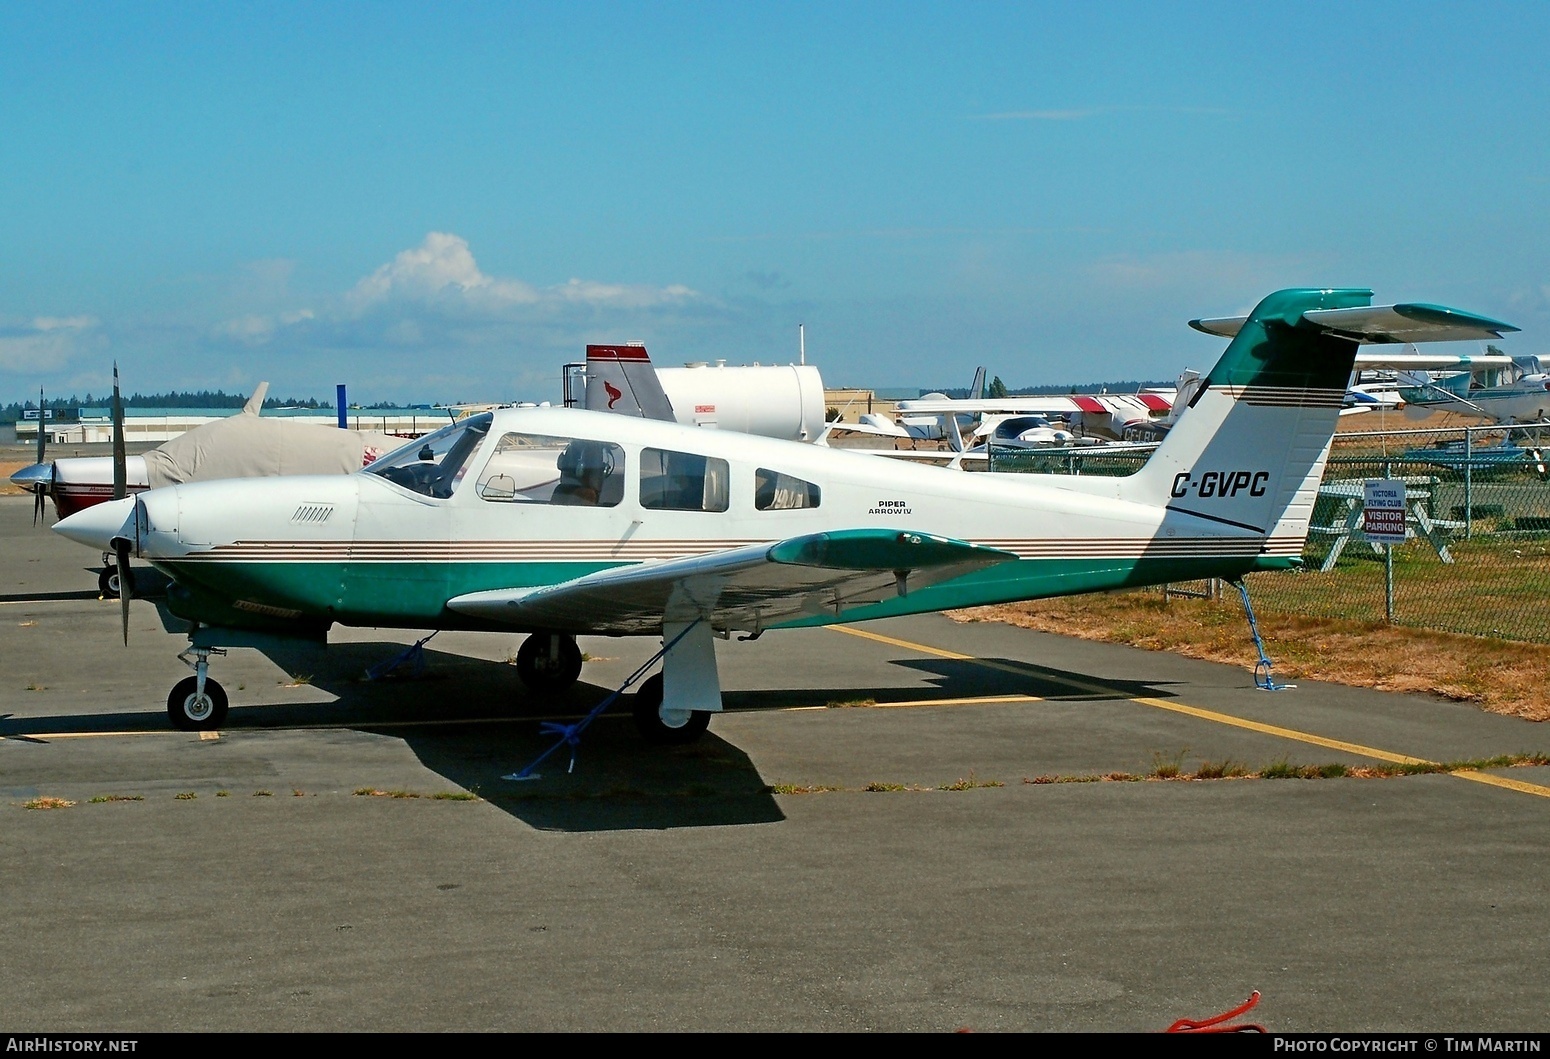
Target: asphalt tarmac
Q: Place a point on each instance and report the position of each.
(857, 844)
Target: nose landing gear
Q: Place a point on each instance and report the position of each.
(197, 703)
(112, 578)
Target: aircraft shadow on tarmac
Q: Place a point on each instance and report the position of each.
(471, 721)
(1009, 676)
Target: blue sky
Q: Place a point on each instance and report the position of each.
(446, 202)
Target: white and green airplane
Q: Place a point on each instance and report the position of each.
(561, 522)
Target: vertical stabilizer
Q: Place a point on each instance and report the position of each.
(621, 379)
(256, 402)
(1247, 451)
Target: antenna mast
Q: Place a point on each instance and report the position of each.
(802, 341)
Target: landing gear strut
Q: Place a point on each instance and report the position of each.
(197, 703)
(549, 662)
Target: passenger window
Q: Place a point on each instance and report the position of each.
(682, 481)
(541, 469)
(774, 491)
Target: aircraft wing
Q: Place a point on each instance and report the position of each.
(1047, 405)
(1430, 361)
(1407, 322)
(752, 587)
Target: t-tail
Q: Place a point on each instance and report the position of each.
(1248, 451)
(621, 379)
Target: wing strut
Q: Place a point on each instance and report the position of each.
(570, 734)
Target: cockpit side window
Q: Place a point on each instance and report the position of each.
(436, 463)
(544, 469)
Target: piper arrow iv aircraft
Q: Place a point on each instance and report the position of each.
(560, 522)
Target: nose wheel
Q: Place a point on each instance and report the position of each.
(549, 662)
(112, 579)
(197, 703)
(192, 710)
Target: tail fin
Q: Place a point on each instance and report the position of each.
(621, 379)
(1248, 450)
(255, 403)
(977, 387)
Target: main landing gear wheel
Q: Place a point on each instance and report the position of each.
(543, 669)
(110, 580)
(192, 712)
(647, 711)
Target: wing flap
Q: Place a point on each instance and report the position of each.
(750, 588)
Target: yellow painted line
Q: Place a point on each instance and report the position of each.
(1205, 715)
(43, 736)
(977, 700)
(208, 737)
(1501, 781)
(1284, 733)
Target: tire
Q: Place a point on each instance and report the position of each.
(109, 579)
(542, 673)
(647, 711)
(190, 714)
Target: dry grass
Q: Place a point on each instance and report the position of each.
(1499, 676)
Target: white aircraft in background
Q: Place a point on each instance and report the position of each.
(1517, 392)
(965, 422)
(560, 522)
(1144, 417)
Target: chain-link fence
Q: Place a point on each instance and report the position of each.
(1476, 558)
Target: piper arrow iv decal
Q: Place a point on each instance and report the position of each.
(1220, 483)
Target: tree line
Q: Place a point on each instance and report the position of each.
(67, 408)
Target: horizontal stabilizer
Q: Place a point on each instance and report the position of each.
(1408, 322)
(752, 587)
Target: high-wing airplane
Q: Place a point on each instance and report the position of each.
(1517, 391)
(964, 422)
(562, 522)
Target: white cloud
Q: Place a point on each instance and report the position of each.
(436, 294)
(47, 343)
(442, 265)
(442, 272)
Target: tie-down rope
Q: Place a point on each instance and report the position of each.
(570, 734)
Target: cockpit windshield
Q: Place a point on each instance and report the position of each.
(434, 465)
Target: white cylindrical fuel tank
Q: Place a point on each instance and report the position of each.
(777, 401)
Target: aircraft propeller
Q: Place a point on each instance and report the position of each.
(120, 491)
(39, 490)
